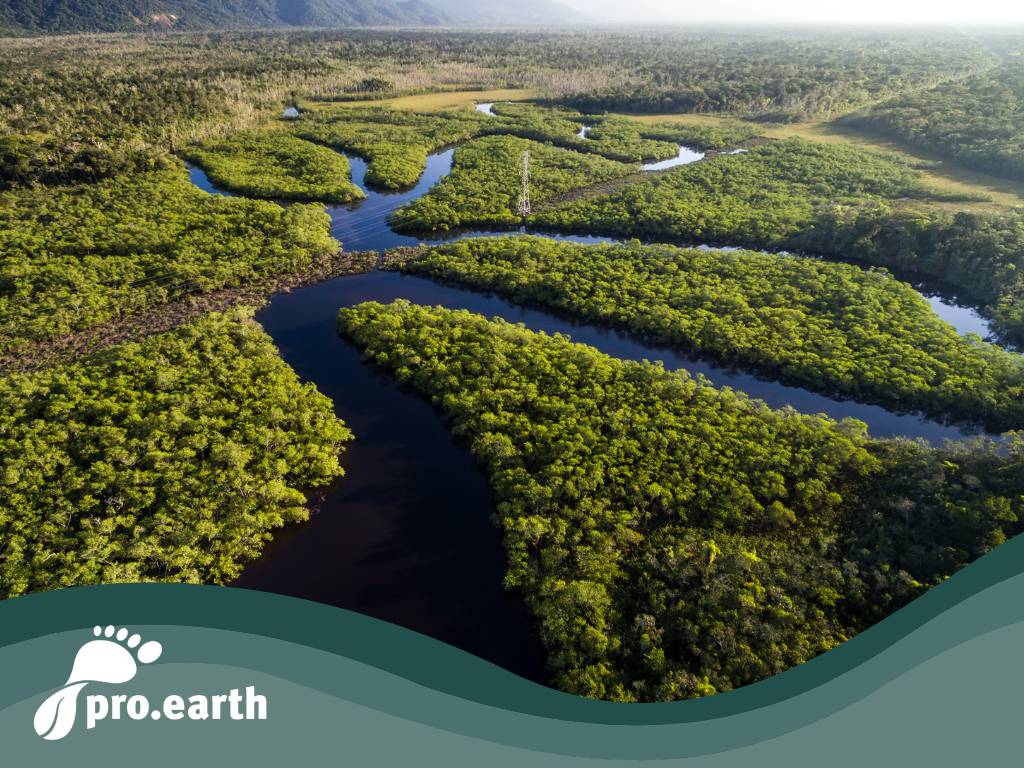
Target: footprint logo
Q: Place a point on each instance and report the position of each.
(109, 659)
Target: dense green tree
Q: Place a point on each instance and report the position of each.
(171, 459)
(787, 77)
(484, 184)
(763, 197)
(828, 199)
(395, 143)
(978, 121)
(982, 254)
(176, 85)
(613, 137)
(26, 161)
(274, 165)
(71, 257)
(832, 327)
(675, 540)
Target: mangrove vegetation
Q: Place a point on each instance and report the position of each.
(675, 540)
(274, 165)
(170, 459)
(836, 328)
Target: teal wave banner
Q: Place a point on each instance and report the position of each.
(155, 675)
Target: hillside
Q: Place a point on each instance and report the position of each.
(62, 16)
(521, 12)
(68, 16)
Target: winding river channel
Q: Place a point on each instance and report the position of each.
(407, 536)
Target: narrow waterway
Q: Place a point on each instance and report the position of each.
(408, 536)
(685, 157)
(363, 226)
(198, 177)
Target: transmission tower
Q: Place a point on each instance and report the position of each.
(523, 206)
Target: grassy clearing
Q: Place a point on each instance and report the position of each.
(942, 174)
(427, 102)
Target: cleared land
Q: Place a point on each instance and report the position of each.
(426, 102)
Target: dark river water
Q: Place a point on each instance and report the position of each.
(407, 535)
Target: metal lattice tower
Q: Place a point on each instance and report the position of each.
(523, 206)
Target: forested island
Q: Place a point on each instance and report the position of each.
(833, 215)
(277, 167)
(675, 540)
(831, 326)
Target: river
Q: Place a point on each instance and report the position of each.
(407, 536)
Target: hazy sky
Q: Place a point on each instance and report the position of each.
(851, 11)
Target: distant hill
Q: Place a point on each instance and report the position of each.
(481, 12)
(64, 16)
(61, 16)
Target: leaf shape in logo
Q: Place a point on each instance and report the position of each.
(56, 716)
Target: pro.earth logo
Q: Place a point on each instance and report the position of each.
(114, 657)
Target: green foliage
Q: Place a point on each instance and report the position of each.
(26, 161)
(182, 84)
(832, 327)
(722, 135)
(81, 95)
(484, 184)
(927, 514)
(771, 75)
(71, 257)
(830, 199)
(395, 143)
(980, 253)
(555, 124)
(762, 197)
(978, 121)
(275, 165)
(675, 540)
(168, 460)
(613, 137)
(625, 140)
(374, 85)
